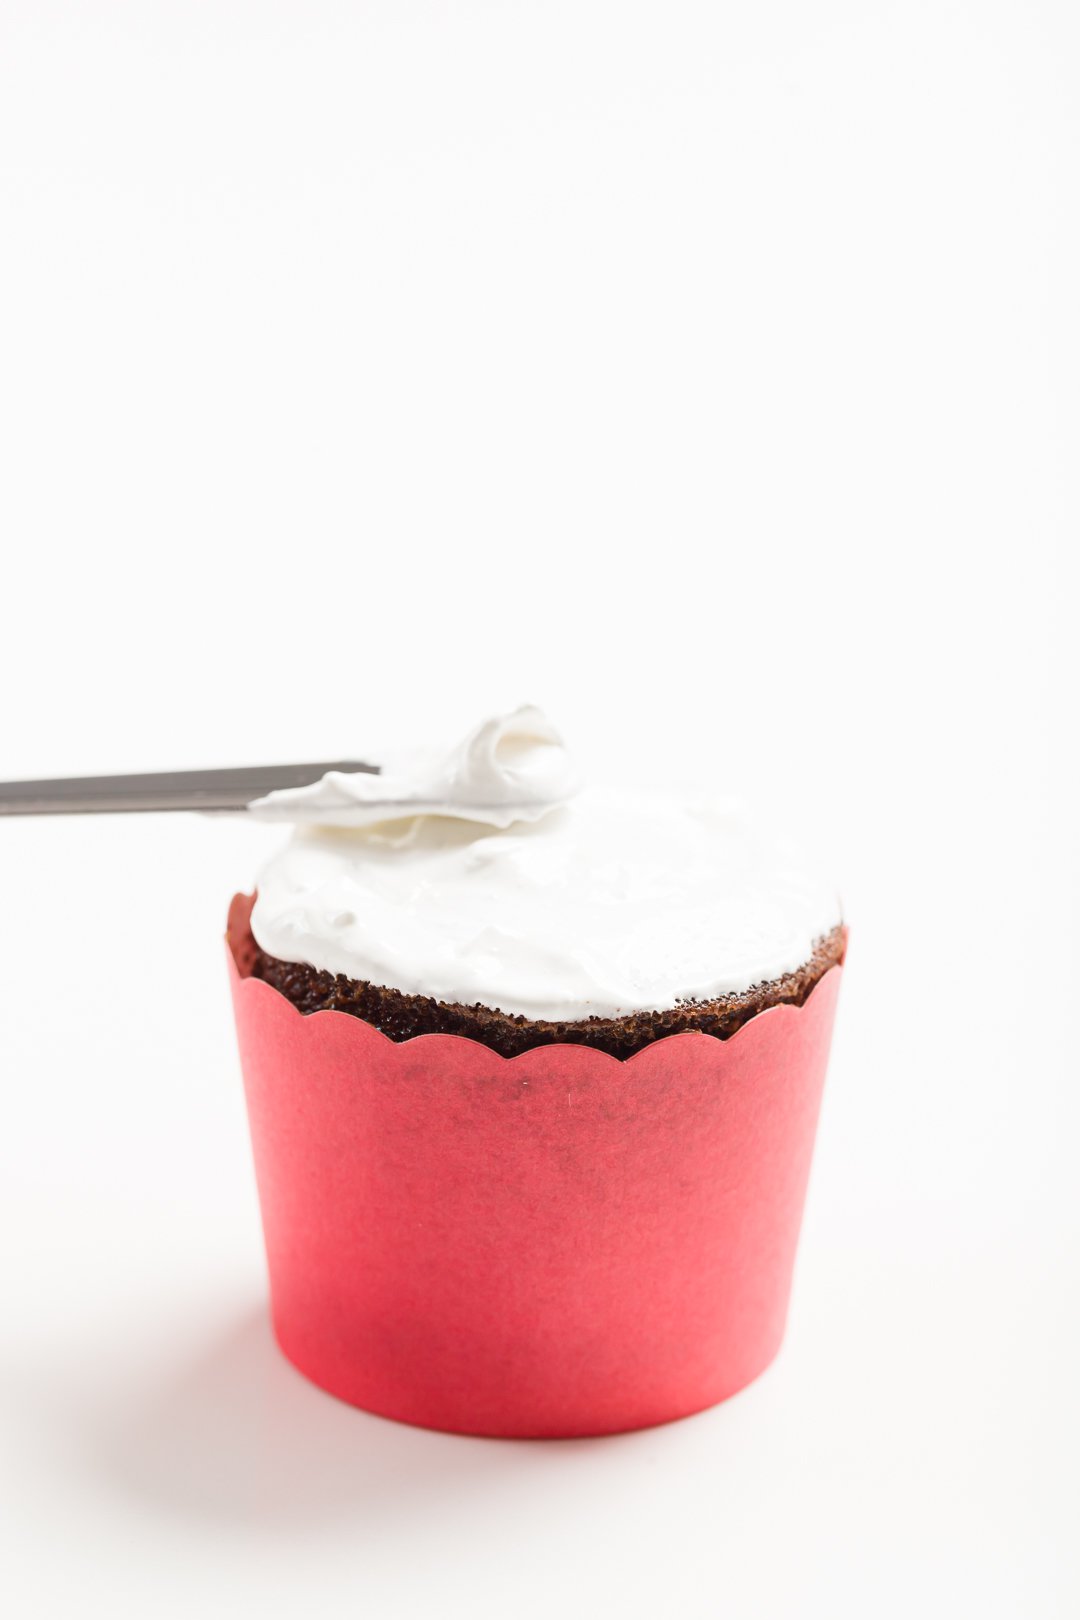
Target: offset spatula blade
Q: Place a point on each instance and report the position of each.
(230, 789)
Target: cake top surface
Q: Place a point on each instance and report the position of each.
(487, 875)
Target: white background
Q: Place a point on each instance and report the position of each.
(706, 373)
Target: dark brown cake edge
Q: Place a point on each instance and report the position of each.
(401, 1016)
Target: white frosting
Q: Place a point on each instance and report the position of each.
(512, 768)
(512, 891)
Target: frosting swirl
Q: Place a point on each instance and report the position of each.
(511, 768)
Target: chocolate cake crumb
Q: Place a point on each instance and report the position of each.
(402, 1016)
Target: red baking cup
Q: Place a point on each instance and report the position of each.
(560, 1243)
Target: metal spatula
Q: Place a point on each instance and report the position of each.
(231, 789)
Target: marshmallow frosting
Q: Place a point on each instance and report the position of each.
(511, 768)
(486, 875)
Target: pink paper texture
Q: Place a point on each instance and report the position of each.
(555, 1244)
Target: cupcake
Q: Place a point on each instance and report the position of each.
(533, 1073)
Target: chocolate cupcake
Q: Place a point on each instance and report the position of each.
(511, 1043)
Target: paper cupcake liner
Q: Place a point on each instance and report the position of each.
(560, 1243)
